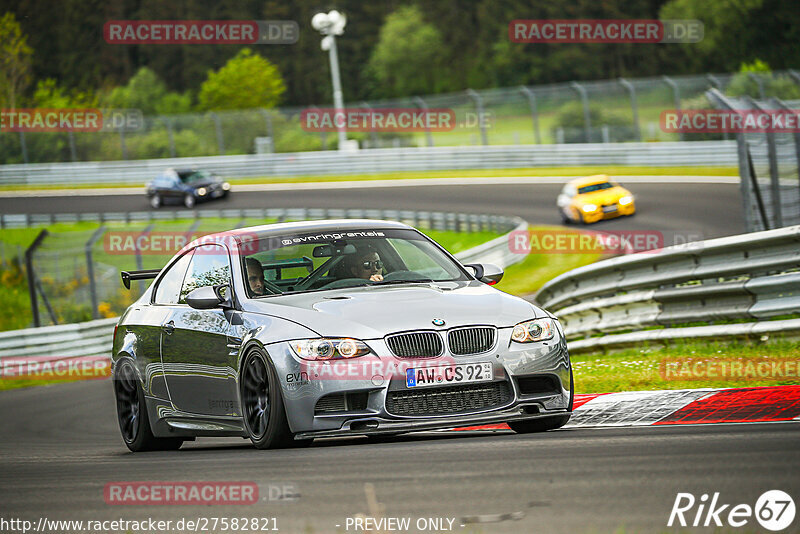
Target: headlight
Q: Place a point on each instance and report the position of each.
(226, 186)
(588, 208)
(624, 201)
(202, 191)
(329, 348)
(536, 330)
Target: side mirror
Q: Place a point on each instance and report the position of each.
(488, 273)
(209, 297)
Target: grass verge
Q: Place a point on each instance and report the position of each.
(689, 366)
(613, 170)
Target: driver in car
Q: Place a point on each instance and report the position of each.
(366, 264)
(255, 277)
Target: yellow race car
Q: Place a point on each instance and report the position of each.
(594, 198)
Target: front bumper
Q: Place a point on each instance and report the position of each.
(599, 214)
(377, 425)
(303, 386)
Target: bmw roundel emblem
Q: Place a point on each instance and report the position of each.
(438, 322)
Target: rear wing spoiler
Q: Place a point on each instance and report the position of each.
(145, 274)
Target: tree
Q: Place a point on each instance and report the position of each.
(778, 86)
(738, 31)
(146, 92)
(15, 60)
(49, 94)
(406, 59)
(246, 81)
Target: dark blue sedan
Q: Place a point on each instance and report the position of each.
(186, 186)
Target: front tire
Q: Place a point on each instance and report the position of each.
(262, 404)
(546, 423)
(189, 201)
(134, 423)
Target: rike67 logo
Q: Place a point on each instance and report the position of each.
(774, 510)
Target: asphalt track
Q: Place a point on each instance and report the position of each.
(701, 210)
(60, 445)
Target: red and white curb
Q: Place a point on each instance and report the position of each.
(681, 407)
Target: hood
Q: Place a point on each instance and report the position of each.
(375, 311)
(606, 196)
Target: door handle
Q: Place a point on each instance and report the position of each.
(168, 328)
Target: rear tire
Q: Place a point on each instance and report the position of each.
(546, 423)
(155, 201)
(134, 423)
(262, 404)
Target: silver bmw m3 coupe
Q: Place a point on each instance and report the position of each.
(288, 332)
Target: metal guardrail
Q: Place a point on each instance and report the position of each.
(57, 343)
(688, 154)
(93, 338)
(742, 281)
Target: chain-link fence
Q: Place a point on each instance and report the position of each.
(768, 164)
(602, 111)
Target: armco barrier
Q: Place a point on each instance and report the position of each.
(684, 154)
(734, 284)
(60, 342)
(93, 338)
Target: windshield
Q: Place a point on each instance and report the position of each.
(194, 176)
(323, 261)
(595, 187)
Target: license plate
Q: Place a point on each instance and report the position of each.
(442, 375)
(609, 209)
(216, 194)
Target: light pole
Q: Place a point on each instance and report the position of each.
(330, 25)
